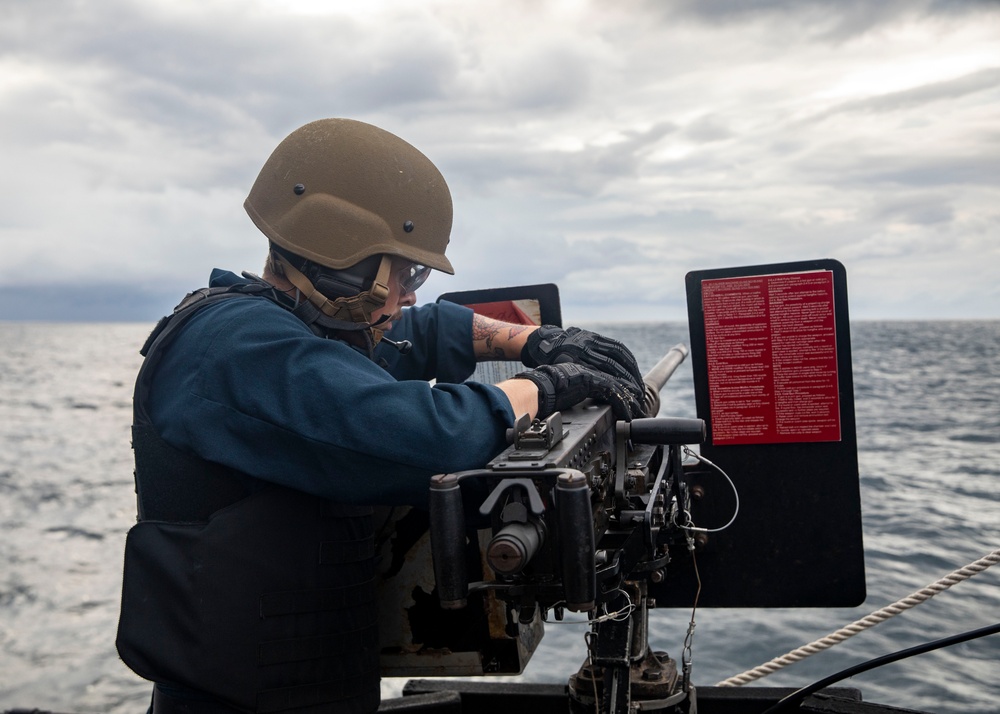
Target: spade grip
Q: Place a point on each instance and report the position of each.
(448, 541)
(576, 541)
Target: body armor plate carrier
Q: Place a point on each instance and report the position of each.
(256, 595)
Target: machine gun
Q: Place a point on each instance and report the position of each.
(582, 513)
(591, 515)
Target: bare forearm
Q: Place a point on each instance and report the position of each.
(523, 396)
(493, 339)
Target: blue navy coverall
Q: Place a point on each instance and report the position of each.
(267, 604)
(248, 385)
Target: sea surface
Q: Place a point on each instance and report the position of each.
(928, 411)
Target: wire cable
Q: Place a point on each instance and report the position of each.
(687, 654)
(736, 511)
(864, 623)
(800, 694)
(617, 615)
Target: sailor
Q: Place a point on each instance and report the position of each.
(272, 412)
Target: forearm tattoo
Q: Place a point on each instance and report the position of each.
(495, 335)
(485, 330)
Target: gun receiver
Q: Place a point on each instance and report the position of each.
(581, 513)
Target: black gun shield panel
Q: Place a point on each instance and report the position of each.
(791, 451)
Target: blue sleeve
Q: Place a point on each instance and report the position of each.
(441, 335)
(247, 385)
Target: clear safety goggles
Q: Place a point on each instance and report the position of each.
(412, 277)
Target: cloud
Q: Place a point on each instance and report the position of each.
(610, 149)
(949, 90)
(821, 20)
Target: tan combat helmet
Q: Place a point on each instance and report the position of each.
(338, 191)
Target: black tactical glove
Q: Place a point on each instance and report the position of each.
(564, 385)
(551, 345)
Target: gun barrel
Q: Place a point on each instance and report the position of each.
(659, 374)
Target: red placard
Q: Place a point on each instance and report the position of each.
(517, 312)
(771, 347)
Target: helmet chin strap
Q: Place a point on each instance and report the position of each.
(357, 309)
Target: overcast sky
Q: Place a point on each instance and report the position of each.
(609, 147)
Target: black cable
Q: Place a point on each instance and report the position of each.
(797, 696)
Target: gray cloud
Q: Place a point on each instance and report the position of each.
(611, 149)
(820, 20)
(584, 172)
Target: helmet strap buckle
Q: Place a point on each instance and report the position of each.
(357, 309)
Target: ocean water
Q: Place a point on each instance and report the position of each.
(928, 411)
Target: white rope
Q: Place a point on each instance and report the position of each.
(864, 623)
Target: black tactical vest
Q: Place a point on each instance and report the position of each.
(254, 594)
